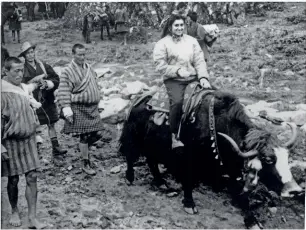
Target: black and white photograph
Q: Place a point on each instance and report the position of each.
(153, 115)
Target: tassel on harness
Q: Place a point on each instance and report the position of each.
(212, 128)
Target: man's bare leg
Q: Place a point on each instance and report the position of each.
(31, 196)
(12, 191)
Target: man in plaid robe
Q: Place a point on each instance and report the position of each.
(18, 149)
(78, 96)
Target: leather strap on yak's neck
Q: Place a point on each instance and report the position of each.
(212, 131)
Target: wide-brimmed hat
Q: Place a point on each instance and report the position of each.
(25, 47)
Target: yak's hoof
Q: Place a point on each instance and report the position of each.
(189, 206)
(255, 226)
(129, 177)
(163, 187)
(159, 183)
(191, 211)
(129, 183)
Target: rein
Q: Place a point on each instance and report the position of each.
(213, 138)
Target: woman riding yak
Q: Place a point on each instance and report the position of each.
(179, 59)
(44, 81)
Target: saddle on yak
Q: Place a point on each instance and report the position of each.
(160, 102)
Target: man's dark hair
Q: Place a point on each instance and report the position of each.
(77, 46)
(9, 61)
(193, 16)
(181, 5)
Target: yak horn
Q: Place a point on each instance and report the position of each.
(291, 142)
(250, 153)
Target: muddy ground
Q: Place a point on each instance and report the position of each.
(70, 199)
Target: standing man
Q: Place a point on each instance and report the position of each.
(78, 96)
(31, 11)
(18, 149)
(15, 22)
(46, 82)
(121, 18)
(53, 7)
(197, 31)
(104, 21)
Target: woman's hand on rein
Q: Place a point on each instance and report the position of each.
(205, 83)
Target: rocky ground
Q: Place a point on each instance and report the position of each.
(261, 59)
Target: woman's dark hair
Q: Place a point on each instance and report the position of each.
(171, 20)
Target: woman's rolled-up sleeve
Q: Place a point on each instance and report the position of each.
(199, 62)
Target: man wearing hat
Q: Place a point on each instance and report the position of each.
(45, 81)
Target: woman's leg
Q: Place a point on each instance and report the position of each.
(176, 90)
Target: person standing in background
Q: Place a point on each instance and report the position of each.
(197, 31)
(15, 23)
(46, 82)
(18, 146)
(78, 96)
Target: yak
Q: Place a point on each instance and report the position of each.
(220, 140)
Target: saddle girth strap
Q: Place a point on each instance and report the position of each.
(185, 110)
(192, 105)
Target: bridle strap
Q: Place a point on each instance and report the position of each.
(212, 131)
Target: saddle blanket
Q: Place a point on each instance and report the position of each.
(160, 100)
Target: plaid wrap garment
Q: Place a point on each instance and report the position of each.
(79, 90)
